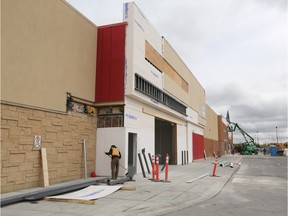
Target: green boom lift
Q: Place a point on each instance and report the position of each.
(248, 147)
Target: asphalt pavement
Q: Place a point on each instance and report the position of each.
(259, 187)
(187, 185)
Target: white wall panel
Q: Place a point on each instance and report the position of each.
(144, 126)
(104, 139)
(140, 110)
(181, 142)
(129, 49)
(189, 141)
(192, 115)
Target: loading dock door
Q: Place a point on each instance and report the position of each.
(198, 146)
(165, 140)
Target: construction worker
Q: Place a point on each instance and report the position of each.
(115, 155)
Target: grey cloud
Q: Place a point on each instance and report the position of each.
(252, 111)
(281, 4)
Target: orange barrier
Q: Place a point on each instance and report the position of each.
(153, 168)
(157, 167)
(215, 166)
(166, 169)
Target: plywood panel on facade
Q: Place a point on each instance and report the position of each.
(177, 91)
(171, 56)
(196, 91)
(197, 95)
(157, 60)
(211, 129)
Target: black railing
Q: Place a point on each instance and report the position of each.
(144, 86)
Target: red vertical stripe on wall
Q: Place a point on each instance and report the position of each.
(106, 65)
(118, 59)
(198, 146)
(110, 67)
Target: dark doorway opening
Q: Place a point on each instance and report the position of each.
(166, 140)
(132, 150)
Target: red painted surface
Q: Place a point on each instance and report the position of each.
(198, 146)
(110, 67)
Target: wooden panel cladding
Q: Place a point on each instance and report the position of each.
(161, 64)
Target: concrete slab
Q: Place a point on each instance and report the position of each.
(149, 198)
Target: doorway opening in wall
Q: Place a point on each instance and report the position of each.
(132, 151)
(166, 140)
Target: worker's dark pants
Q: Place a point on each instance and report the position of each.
(114, 167)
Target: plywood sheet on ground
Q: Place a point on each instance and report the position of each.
(89, 193)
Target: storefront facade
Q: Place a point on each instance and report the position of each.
(154, 103)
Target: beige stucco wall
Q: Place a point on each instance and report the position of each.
(196, 97)
(211, 141)
(48, 49)
(211, 129)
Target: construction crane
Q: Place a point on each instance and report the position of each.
(248, 147)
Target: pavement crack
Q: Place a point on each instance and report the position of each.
(138, 209)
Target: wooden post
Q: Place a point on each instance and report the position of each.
(45, 167)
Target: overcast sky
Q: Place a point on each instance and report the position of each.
(237, 49)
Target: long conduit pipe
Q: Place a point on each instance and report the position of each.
(85, 160)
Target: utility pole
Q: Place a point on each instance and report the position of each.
(276, 135)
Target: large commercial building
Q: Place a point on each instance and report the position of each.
(66, 82)
(145, 88)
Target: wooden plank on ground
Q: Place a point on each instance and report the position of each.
(45, 167)
(128, 188)
(89, 202)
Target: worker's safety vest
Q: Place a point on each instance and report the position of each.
(115, 152)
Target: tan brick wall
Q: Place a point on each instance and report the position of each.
(210, 147)
(62, 136)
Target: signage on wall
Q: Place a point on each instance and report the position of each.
(37, 141)
(126, 11)
(130, 116)
(203, 110)
(154, 74)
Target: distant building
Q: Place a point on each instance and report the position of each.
(225, 137)
(211, 139)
